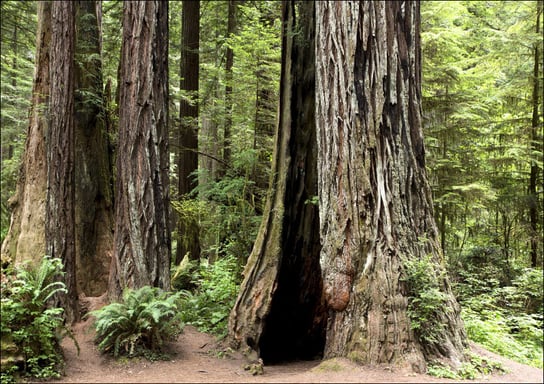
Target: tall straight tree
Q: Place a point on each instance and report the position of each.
(25, 239)
(279, 311)
(231, 29)
(60, 205)
(376, 215)
(536, 146)
(93, 177)
(188, 240)
(142, 235)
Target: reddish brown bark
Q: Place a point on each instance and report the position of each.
(142, 235)
(60, 207)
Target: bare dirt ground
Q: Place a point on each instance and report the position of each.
(196, 358)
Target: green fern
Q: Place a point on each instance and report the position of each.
(28, 327)
(144, 320)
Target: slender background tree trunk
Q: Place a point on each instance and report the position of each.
(231, 29)
(536, 239)
(188, 229)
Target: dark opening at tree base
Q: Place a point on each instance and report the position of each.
(296, 325)
(285, 338)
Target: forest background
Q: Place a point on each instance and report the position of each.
(482, 106)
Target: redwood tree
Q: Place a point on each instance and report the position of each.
(25, 239)
(93, 176)
(60, 203)
(142, 235)
(188, 229)
(376, 212)
(375, 290)
(279, 312)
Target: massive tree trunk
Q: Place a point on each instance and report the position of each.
(188, 228)
(375, 202)
(142, 236)
(279, 311)
(60, 204)
(26, 236)
(94, 192)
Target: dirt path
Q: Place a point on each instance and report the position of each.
(196, 360)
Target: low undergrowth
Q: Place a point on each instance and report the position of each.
(30, 330)
(140, 324)
(215, 288)
(474, 367)
(507, 320)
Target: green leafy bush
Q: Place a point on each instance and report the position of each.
(140, 324)
(494, 330)
(425, 298)
(208, 307)
(474, 367)
(30, 330)
(506, 319)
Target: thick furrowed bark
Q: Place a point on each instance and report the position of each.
(60, 206)
(142, 235)
(279, 312)
(375, 204)
(26, 236)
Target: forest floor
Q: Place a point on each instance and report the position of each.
(198, 357)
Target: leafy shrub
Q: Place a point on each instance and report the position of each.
(424, 299)
(493, 329)
(140, 324)
(208, 307)
(30, 331)
(474, 367)
(505, 319)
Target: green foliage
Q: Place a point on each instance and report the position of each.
(30, 329)
(208, 307)
(18, 35)
(478, 62)
(473, 368)
(495, 321)
(140, 324)
(425, 298)
(228, 215)
(506, 319)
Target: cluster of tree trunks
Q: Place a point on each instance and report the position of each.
(63, 206)
(349, 200)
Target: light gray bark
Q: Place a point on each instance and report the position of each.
(26, 236)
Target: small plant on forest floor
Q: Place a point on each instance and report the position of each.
(474, 367)
(208, 307)
(30, 330)
(140, 324)
(425, 299)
